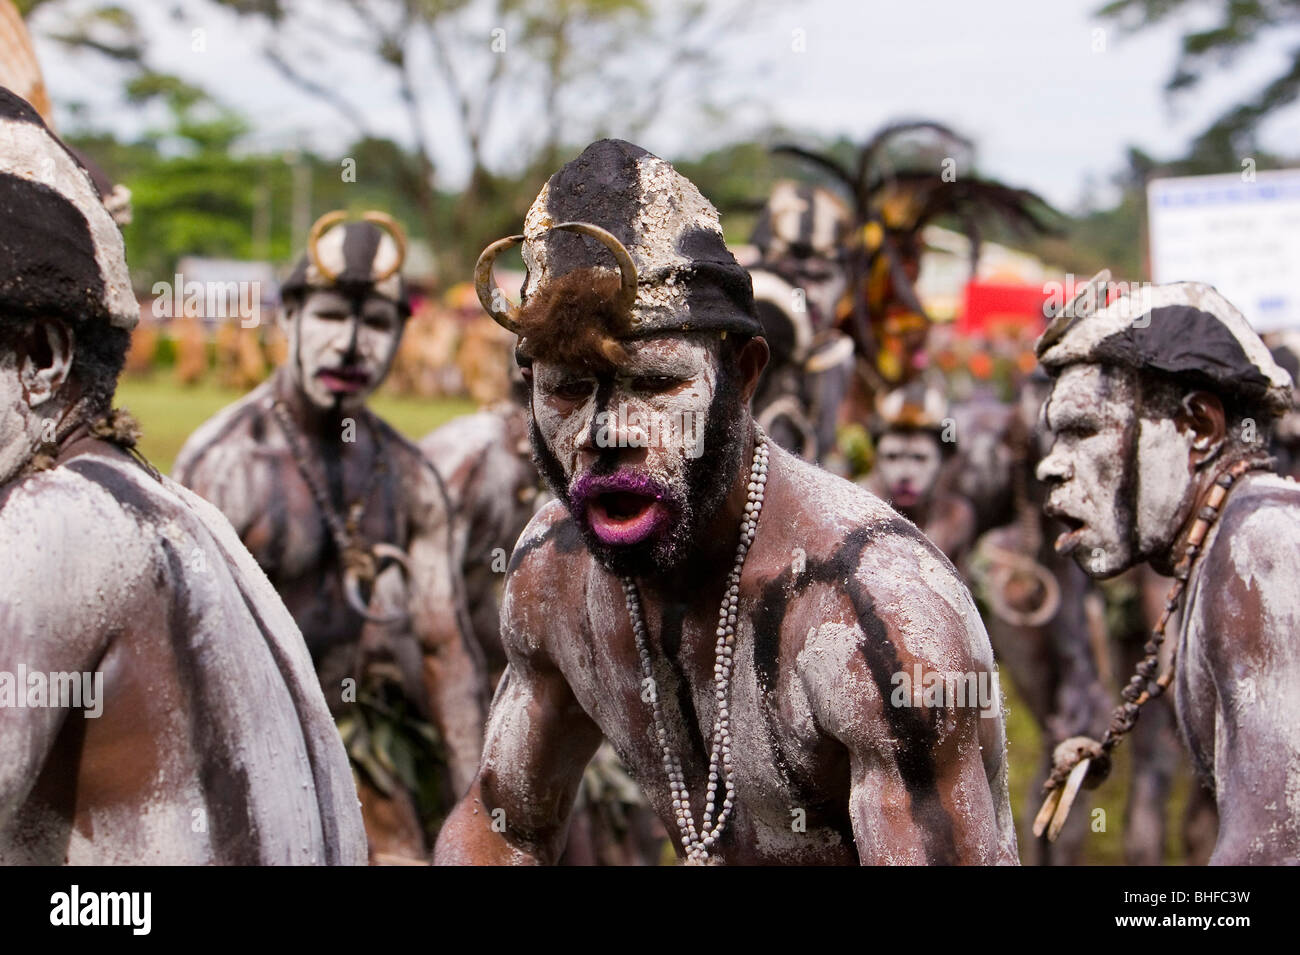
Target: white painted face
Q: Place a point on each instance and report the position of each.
(824, 284)
(648, 419)
(908, 463)
(1119, 480)
(338, 357)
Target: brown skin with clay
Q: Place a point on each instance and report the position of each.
(247, 468)
(837, 595)
(146, 578)
(1236, 676)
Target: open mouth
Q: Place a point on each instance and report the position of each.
(621, 509)
(1070, 538)
(625, 517)
(346, 380)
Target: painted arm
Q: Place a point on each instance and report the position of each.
(1251, 652)
(539, 740)
(924, 787)
(453, 675)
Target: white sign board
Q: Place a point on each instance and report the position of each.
(1241, 237)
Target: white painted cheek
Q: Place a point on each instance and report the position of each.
(927, 472)
(377, 348)
(1163, 481)
(17, 443)
(1097, 481)
(563, 433)
(681, 420)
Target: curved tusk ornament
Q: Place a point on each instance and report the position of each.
(322, 225)
(398, 234)
(1068, 794)
(489, 295)
(386, 555)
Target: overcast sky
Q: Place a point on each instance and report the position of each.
(1048, 99)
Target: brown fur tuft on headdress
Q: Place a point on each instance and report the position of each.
(574, 320)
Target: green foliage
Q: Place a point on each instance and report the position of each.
(1240, 25)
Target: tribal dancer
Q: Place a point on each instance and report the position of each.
(352, 526)
(157, 703)
(1161, 413)
(732, 619)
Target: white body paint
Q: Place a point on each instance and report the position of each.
(1238, 679)
(566, 424)
(326, 335)
(119, 603)
(780, 733)
(1092, 413)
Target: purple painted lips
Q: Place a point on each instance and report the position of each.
(344, 380)
(623, 508)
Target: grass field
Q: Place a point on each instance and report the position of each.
(168, 415)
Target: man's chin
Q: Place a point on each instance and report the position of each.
(626, 552)
(326, 399)
(1102, 563)
(649, 558)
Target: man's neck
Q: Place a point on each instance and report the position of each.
(1166, 562)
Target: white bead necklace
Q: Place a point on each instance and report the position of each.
(698, 842)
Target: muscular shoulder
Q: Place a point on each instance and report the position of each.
(222, 444)
(88, 534)
(459, 446)
(422, 483)
(865, 594)
(545, 572)
(1245, 592)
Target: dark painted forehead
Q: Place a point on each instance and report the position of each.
(601, 186)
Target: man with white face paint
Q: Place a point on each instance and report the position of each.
(1161, 413)
(352, 525)
(730, 618)
(909, 466)
(800, 278)
(209, 741)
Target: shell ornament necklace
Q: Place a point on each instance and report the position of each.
(720, 797)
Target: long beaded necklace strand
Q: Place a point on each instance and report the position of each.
(698, 842)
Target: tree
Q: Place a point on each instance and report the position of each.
(581, 68)
(1240, 25)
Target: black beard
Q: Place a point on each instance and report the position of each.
(709, 478)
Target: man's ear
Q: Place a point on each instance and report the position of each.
(751, 361)
(48, 361)
(1203, 416)
(284, 318)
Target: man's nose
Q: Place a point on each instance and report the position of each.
(1054, 468)
(346, 342)
(614, 432)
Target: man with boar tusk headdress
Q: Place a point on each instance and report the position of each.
(732, 619)
(352, 525)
